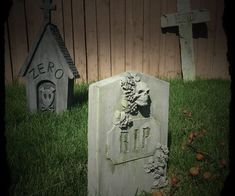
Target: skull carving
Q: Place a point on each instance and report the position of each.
(142, 94)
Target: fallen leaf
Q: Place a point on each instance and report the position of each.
(194, 171)
(223, 163)
(200, 156)
(202, 133)
(214, 176)
(190, 141)
(174, 180)
(187, 113)
(207, 175)
(157, 193)
(183, 145)
(191, 135)
(222, 143)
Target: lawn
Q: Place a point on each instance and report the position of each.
(47, 153)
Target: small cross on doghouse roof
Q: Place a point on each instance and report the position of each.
(47, 7)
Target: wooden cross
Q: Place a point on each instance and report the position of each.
(47, 7)
(184, 19)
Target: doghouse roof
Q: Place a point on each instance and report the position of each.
(55, 32)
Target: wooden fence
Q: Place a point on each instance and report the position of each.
(106, 37)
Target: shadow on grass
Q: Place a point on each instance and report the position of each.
(80, 96)
(169, 140)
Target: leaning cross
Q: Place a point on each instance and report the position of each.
(184, 19)
(47, 7)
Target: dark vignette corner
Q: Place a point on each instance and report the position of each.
(229, 30)
(5, 172)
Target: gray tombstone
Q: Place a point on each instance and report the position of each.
(49, 70)
(184, 18)
(127, 135)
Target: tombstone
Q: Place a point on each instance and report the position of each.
(127, 135)
(184, 19)
(49, 70)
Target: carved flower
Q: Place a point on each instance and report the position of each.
(156, 175)
(149, 167)
(164, 149)
(125, 104)
(121, 119)
(156, 166)
(161, 182)
(137, 78)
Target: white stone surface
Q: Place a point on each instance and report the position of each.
(114, 167)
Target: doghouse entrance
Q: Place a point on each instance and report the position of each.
(46, 96)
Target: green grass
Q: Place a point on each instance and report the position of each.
(208, 102)
(47, 153)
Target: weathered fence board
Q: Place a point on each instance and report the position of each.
(57, 16)
(210, 5)
(137, 44)
(146, 36)
(7, 58)
(18, 36)
(155, 37)
(202, 67)
(107, 37)
(117, 18)
(171, 42)
(162, 44)
(91, 39)
(34, 18)
(220, 66)
(68, 26)
(103, 32)
(128, 34)
(80, 54)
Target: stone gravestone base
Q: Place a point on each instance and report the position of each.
(127, 135)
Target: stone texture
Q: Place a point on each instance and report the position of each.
(49, 69)
(49, 74)
(127, 135)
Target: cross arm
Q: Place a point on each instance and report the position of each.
(175, 19)
(51, 7)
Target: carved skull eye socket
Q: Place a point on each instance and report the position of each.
(147, 91)
(140, 91)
